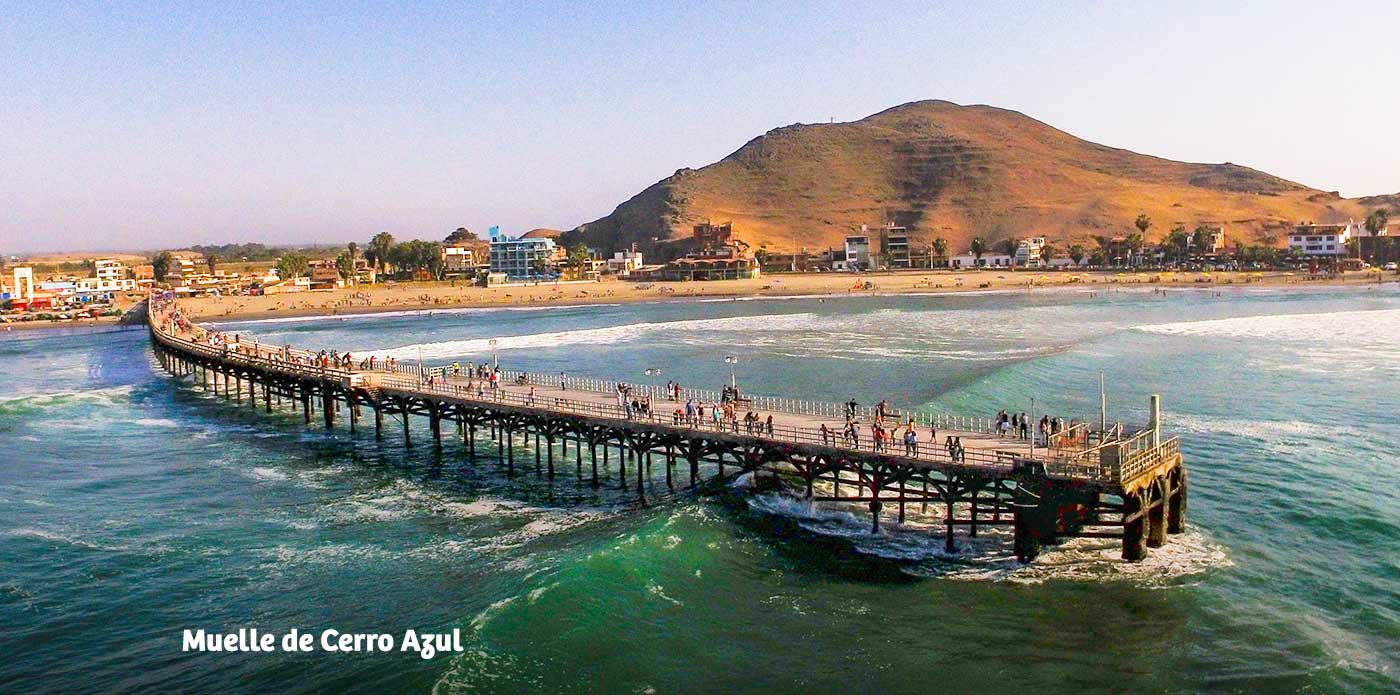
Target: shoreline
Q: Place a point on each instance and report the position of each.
(416, 298)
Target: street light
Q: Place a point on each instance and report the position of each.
(495, 361)
(732, 360)
(651, 373)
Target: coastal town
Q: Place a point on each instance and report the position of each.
(542, 266)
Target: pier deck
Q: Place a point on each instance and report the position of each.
(1080, 482)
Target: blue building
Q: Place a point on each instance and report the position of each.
(523, 259)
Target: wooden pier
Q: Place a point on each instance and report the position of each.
(1101, 483)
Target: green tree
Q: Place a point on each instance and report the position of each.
(1143, 223)
(291, 265)
(1177, 242)
(352, 250)
(1202, 239)
(460, 236)
(1375, 221)
(940, 250)
(211, 261)
(160, 265)
(1008, 246)
(345, 265)
(380, 246)
(1134, 244)
(978, 247)
(1076, 253)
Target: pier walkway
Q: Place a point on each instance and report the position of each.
(1083, 481)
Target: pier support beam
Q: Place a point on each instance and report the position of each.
(1134, 536)
(1157, 519)
(1176, 504)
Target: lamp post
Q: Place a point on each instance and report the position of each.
(495, 361)
(651, 373)
(731, 360)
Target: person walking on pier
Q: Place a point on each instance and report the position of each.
(563, 382)
(911, 441)
(770, 425)
(851, 407)
(826, 435)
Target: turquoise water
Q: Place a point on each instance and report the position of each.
(133, 506)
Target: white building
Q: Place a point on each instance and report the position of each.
(988, 260)
(625, 262)
(1028, 252)
(458, 260)
(109, 269)
(1322, 240)
(857, 252)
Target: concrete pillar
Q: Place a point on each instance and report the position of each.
(1155, 422)
(1134, 530)
(1176, 506)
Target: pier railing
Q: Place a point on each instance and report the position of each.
(777, 404)
(1078, 452)
(1054, 462)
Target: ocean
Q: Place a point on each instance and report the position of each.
(134, 505)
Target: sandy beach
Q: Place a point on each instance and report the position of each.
(440, 295)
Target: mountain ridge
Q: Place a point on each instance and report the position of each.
(953, 171)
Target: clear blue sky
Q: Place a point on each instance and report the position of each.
(141, 126)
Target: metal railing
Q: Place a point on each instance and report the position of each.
(1072, 453)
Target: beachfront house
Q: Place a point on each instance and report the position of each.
(988, 260)
(1321, 240)
(459, 261)
(625, 262)
(1029, 252)
(857, 252)
(894, 246)
(522, 259)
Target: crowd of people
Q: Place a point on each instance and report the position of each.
(886, 430)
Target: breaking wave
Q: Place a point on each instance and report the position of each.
(918, 546)
(610, 335)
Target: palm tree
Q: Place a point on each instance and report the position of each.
(345, 265)
(1203, 239)
(1177, 240)
(1076, 253)
(380, 246)
(1134, 244)
(979, 247)
(353, 250)
(940, 249)
(1143, 223)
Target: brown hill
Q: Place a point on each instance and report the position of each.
(951, 171)
(542, 233)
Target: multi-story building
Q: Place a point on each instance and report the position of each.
(458, 260)
(522, 259)
(181, 268)
(109, 269)
(1028, 252)
(857, 251)
(894, 245)
(625, 262)
(1321, 240)
(324, 274)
